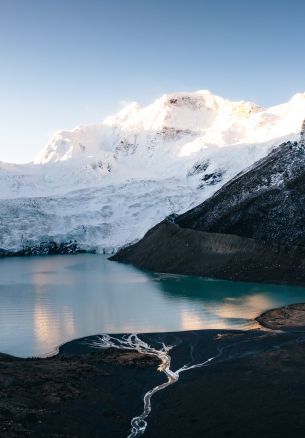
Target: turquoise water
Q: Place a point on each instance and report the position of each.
(46, 301)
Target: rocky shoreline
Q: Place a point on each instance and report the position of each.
(255, 388)
(290, 317)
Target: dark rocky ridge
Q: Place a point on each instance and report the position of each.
(252, 229)
(267, 202)
(173, 249)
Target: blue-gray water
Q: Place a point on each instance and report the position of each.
(45, 301)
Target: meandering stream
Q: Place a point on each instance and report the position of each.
(244, 345)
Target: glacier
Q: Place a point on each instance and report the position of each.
(102, 186)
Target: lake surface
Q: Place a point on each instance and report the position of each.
(46, 301)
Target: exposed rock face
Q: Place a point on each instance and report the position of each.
(267, 202)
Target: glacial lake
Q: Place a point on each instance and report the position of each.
(46, 301)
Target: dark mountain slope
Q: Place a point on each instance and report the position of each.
(170, 248)
(267, 202)
(252, 229)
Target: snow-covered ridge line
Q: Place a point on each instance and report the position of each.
(201, 118)
(104, 185)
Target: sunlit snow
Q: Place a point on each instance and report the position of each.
(105, 185)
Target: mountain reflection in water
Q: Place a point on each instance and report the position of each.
(46, 301)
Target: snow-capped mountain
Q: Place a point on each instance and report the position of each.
(251, 229)
(104, 185)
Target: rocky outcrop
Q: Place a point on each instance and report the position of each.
(290, 317)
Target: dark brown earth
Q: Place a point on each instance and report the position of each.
(172, 249)
(290, 317)
(71, 395)
(260, 395)
(255, 387)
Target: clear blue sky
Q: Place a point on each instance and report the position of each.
(64, 62)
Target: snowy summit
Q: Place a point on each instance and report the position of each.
(101, 186)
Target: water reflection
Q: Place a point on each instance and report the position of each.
(45, 301)
(227, 303)
(48, 329)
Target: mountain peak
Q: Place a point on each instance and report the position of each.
(140, 165)
(183, 123)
